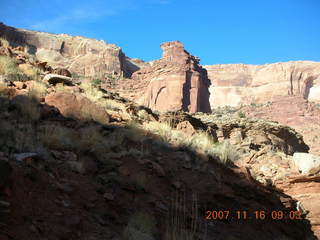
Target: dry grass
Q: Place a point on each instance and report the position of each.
(179, 225)
(201, 142)
(8, 66)
(4, 42)
(90, 91)
(38, 90)
(30, 71)
(58, 137)
(29, 108)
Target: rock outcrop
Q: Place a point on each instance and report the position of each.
(233, 84)
(175, 82)
(84, 56)
(78, 107)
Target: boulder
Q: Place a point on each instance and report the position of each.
(187, 128)
(307, 163)
(20, 157)
(55, 78)
(77, 106)
(62, 71)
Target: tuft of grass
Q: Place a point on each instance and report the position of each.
(201, 142)
(226, 152)
(9, 66)
(90, 91)
(163, 129)
(4, 42)
(38, 90)
(31, 72)
(29, 108)
(58, 137)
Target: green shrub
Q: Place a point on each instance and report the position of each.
(96, 82)
(241, 114)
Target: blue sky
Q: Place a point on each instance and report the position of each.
(218, 31)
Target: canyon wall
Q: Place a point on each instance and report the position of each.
(84, 56)
(234, 84)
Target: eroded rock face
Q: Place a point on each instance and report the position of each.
(84, 56)
(175, 82)
(233, 84)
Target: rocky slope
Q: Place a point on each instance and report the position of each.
(79, 162)
(235, 84)
(84, 56)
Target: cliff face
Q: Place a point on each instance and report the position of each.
(175, 82)
(233, 84)
(84, 56)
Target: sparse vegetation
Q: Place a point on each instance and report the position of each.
(183, 221)
(96, 82)
(38, 90)
(241, 114)
(9, 66)
(4, 42)
(201, 142)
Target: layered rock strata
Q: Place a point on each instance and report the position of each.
(84, 56)
(175, 82)
(235, 84)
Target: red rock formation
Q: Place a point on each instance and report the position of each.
(233, 84)
(175, 82)
(84, 56)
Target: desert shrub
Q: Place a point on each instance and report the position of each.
(31, 72)
(89, 139)
(38, 90)
(28, 108)
(241, 114)
(164, 130)
(4, 42)
(201, 142)
(19, 137)
(96, 82)
(225, 152)
(8, 66)
(58, 137)
(90, 91)
(112, 105)
(144, 115)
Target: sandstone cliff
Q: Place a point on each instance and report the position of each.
(84, 56)
(175, 82)
(233, 84)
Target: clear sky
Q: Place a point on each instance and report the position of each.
(218, 31)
